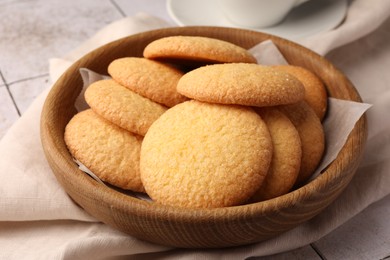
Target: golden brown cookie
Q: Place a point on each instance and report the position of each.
(241, 83)
(312, 137)
(315, 92)
(286, 158)
(122, 106)
(203, 155)
(109, 151)
(151, 79)
(197, 49)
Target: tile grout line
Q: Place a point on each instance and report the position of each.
(318, 252)
(118, 8)
(10, 94)
(25, 79)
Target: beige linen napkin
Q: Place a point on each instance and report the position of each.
(34, 209)
(362, 18)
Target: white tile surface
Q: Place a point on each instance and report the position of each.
(24, 92)
(154, 7)
(366, 236)
(8, 112)
(33, 31)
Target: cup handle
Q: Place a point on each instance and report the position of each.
(299, 2)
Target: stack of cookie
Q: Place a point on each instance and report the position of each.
(222, 132)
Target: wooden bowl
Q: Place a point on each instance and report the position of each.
(196, 228)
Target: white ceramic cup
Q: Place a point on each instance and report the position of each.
(257, 13)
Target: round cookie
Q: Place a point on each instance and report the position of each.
(109, 151)
(312, 137)
(122, 106)
(241, 83)
(286, 158)
(315, 92)
(203, 155)
(151, 79)
(196, 49)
